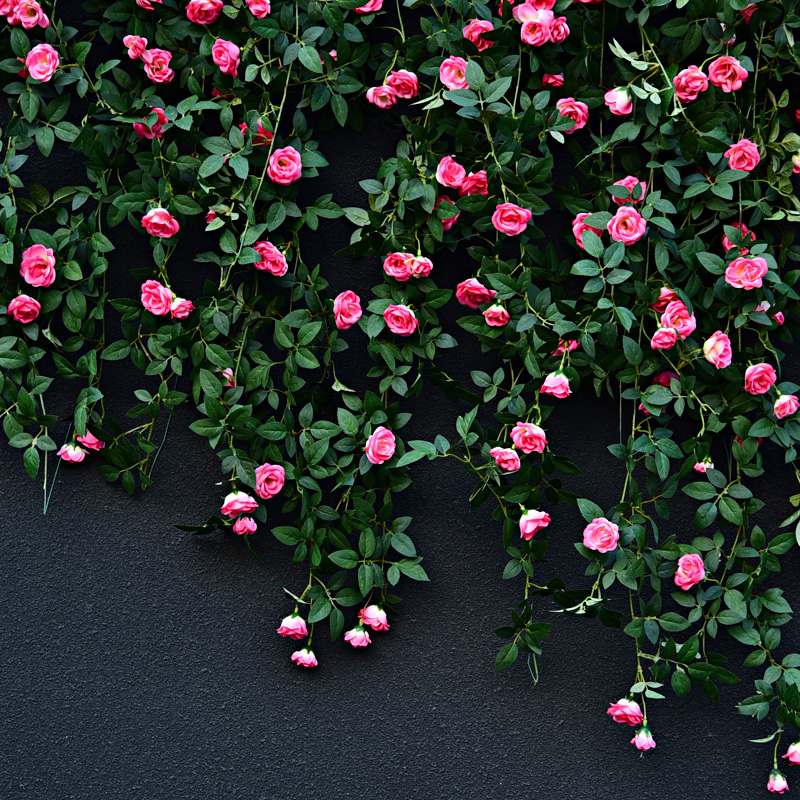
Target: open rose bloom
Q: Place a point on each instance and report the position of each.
(690, 572)
(532, 521)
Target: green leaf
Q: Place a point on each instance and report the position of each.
(507, 656)
(347, 559)
(403, 544)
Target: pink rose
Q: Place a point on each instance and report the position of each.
(689, 83)
(565, 345)
(532, 521)
(398, 266)
(144, 131)
(785, 405)
(474, 183)
(382, 96)
(293, 627)
(496, 316)
(627, 225)
(473, 30)
(245, 526)
(210, 217)
(510, 219)
(401, 320)
(690, 572)
(577, 111)
(601, 535)
(779, 317)
(375, 617)
(181, 308)
(285, 166)
(38, 266)
(159, 222)
(559, 30)
(41, 62)
(644, 740)
(227, 373)
(419, 266)
(579, 228)
(618, 101)
(24, 308)
(505, 458)
(777, 782)
(727, 73)
(90, 441)
(147, 4)
(270, 479)
(370, 7)
(450, 173)
(358, 636)
(72, 453)
(404, 83)
(677, 316)
(473, 293)
(747, 237)
(703, 466)
(665, 297)
(204, 12)
(156, 65)
(272, 260)
(759, 378)
(717, 349)
(557, 385)
(380, 446)
(30, 14)
(227, 56)
(553, 80)
(261, 138)
(664, 339)
(748, 12)
(448, 222)
(306, 657)
(258, 8)
(746, 273)
(528, 437)
(536, 28)
(796, 163)
(793, 753)
(743, 155)
(453, 73)
(629, 182)
(346, 309)
(237, 503)
(665, 378)
(136, 45)
(157, 299)
(626, 712)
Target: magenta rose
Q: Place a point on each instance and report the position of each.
(156, 65)
(404, 83)
(746, 273)
(627, 225)
(510, 219)
(577, 111)
(601, 535)
(474, 183)
(717, 350)
(689, 83)
(144, 131)
(626, 712)
(90, 441)
(375, 617)
(664, 339)
(237, 503)
(136, 45)
(785, 405)
(306, 657)
(159, 222)
(630, 182)
(272, 260)
(370, 7)
(156, 298)
(532, 521)
(644, 740)
(42, 62)
(382, 96)
(204, 12)
(258, 8)
(505, 458)
(565, 345)
(346, 309)
(285, 166)
(557, 385)
(293, 627)
(549, 79)
(72, 453)
(496, 316)
(618, 101)
(181, 308)
(38, 266)
(528, 437)
(270, 479)
(380, 446)
(690, 572)
(450, 173)
(743, 155)
(579, 228)
(447, 222)
(262, 137)
(226, 55)
(665, 297)
(677, 316)
(473, 293)
(727, 73)
(759, 378)
(401, 320)
(24, 308)
(244, 526)
(473, 30)
(453, 73)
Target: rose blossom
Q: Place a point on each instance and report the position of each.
(664, 339)
(24, 308)
(703, 466)
(382, 96)
(643, 740)
(226, 55)
(473, 293)
(565, 345)
(577, 111)
(747, 236)
(748, 12)
(285, 166)
(72, 453)
(505, 458)
(293, 627)
(717, 349)
(306, 657)
(380, 446)
(227, 373)
(746, 273)
(370, 7)
(159, 222)
(626, 712)
(579, 228)
(665, 297)
(496, 316)
(404, 83)
(779, 317)
(450, 173)
(447, 222)
(743, 155)
(38, 265)
(689, 83)
(156, 65)
(210, 217)
(759, 378)
(204, 12)
(777, 782)
(419, 266)
(474, 183)
(401, 320)
(30, 14)
(42, 62)
(398, 266)
(528, 437)
(510, 219)
(147, 4)
(272, 260)
(346, 309)
(136, 45)
(473, 30)
(375, 617)
(90, 441)
(559, 30)
(627, 225)
(557, 385)
(237, 503)
(763, 307)
(358, 636)
(601, 535)
(262, 137)
(258, 8)
(270, 479)
(629, 182)
(690, 572)
(727, 73)
(245, 526)
(786, 404)
(618, 101)
(553, 80)
(796, 163)
(145, 131)
(677, 316)
(453, 73)
(156, 298)
(181, 308)
(532, 521)
(536, 23)
(793, 753)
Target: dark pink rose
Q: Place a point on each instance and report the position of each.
(759, 378)
(404, 83)
(577, 111)
(90, 441)
(528, 437)
(145, 131)
(156, 65)
(380, 446)
(473, 30)
(285, 166)
(382, 96)
(226, 55)
(272, 260)
(370, 7)
(159, 222)
(743, 155)
(453, 73)
(689, 83)
(690, 572)
(270, 479)
(627, 225)
(579, 228)
(644, 740)
(204, 12)
(450, 173)
(717, 350)
(473, 293)
(358, 636)
(510, 219)
(401, 320)
(474, 183)
(346, 309)
(629, 182)
(727, 73)
(375, 617)
(245, 526)
(627, 712)
(505, 458)
(156, 298)
(258, 8)
(181, 308)
(549, 79)
(24, 308)
(496, 316)
(38, 266)
(746, 273)
(72, 453)
(676, 315)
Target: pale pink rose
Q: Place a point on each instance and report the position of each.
(665, 297)
(557, 385)
(375, 617)
(717, 350)
(419, 266)
(677, 316)
(306, 657)
(159, 222)
(261, 138)
(346, 309)
(528, 437)
(626, 712)
(72, 453)
(559, 30)
(382, 96)
(748, 12)
(743, 155)
(380, 446)
(136, 45)
(473, 30)
(627, 225)
(727, 73)
(450, 173)
(473, 293)
(601, 535)
(565, 345)
(227, 56)
(285, 166)
(644, 740)
(505, 458)
(703, 466)
(759, 378)
(793, 753)
(42, 62)
(689, 83)
(618, 101)
(747, 237)
(746, 273)
(629, 182)
(453, 73)
(156, 65)
(398, 266)
(272, 260)
(145, 131)
(370, 7)
(777, 782)
(258, 8)
(536, 26)
(38, 266)
(293, 627)
(785, 405)
(90, 441)
(690, 572)
(549, 79)
(664, 339)
(401, 320)
(510, 219)
(404, 83)
(181, 308)
(156, 298)
(496, 316)
(358, 636)
(30, 14)
(448, 222)
(528, 10)
(236, 503)
(474, 183)
(204, 12)
(532, 521)
(577, 111)
(579, 228)
(270, 479)
(24, 308)
(245, 526)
